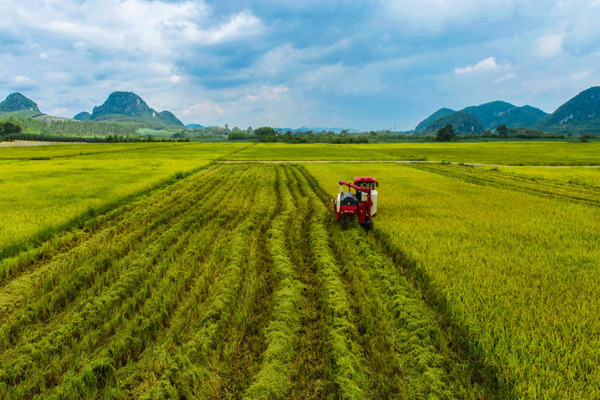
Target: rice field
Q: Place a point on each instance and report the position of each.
(219, 280)
(44, 189)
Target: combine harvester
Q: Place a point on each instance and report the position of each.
(363, 202)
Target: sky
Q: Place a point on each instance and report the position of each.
(366, 65)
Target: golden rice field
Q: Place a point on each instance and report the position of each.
(156, 272)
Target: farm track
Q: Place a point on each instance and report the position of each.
(532, 185)
(233, 283)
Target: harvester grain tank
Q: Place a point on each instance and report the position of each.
(362, 202)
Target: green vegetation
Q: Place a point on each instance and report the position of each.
(577, 116)
(129, 107)
(147, 270)
(512, 273)
(16, 102)
(113, 309)
(582, 176)
(462, 122)
(9, 127)
(442, 112)
(445, 134)
(44, 188)
(62, 128)
(541, 153)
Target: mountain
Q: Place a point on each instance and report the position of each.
(83, 116)
(195, 126)
(442, 112)
(17, 102)
(581, 114)
(462, 122)
(488, 113)
(129, 107)
(526, 116)
(501, 113)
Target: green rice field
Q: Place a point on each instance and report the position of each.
(197, 270)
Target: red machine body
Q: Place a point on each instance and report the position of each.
(362, 203)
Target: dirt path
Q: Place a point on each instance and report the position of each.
(391, 162)
(27, 143)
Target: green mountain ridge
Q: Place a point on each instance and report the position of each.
(83, 116)
(491, 115)
(488, 113)
(581, 114)
(17, 102)
(442, 112)
(463, 123)
(129, 107)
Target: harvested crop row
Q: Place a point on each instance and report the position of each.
(135, 263)
(235, 282)
(274, 380)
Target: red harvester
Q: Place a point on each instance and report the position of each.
(363, 202)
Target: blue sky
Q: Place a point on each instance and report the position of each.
(374, 64)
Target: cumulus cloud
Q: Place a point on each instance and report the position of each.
(550, 45)
(358, 64)
(21, 82)
(157, 26)
(489, 64)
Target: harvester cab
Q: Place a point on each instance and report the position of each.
(360, 199)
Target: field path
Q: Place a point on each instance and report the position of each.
(390, 162)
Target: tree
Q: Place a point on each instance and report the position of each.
(10, 126)
(502, 131)
(445, 134)
(265, 134)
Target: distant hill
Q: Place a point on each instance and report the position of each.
(129, 107)
(581, 114)
(488, 113)
(501, 113)
(18, 105)
(442, 112)
(463, 123)
(83, 116)
(195, 126)
(526, 116)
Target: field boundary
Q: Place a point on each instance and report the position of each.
(394, 162)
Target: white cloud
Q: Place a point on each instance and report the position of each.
(550, 45)
(240, 26)
(489, 64)
(506, 77)
(270, 105)
(22, 82)
(431, 15)
(133, 25)
(44, 56)
(58, 111)
(175, 78)
(578, 76)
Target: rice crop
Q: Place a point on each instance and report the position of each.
(43, 189)
(232, 282)
(509, 264)
(153, 272)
